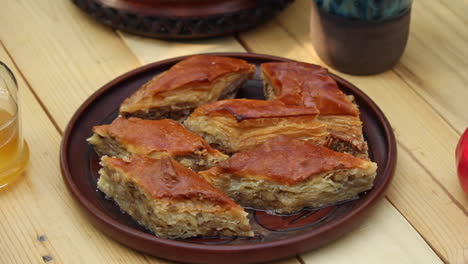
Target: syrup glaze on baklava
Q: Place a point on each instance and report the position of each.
(240, 124)
(285, 175)
(155, 138)
(310, 85)
(302, 147)
(169, 199)
(190, 83)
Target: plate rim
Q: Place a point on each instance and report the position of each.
(95, 212)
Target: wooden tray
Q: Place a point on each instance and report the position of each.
(276, 236)
(182, 19)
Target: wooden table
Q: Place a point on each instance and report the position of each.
(61, 56)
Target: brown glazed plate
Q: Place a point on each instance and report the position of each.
(276, 236)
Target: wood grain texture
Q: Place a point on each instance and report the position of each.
(64, 54)
(429, 210)
(436, 58)
(150, 50)
(39, 219)
(392, 234)
(423, 134)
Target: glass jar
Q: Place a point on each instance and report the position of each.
(14, 152)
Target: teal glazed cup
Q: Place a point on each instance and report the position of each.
(360, 37)
(374, 10)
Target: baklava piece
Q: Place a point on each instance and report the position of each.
(284, 175)
(188, 84)
(155, 138)
(169, 199)
(310, 85)
(239, 124)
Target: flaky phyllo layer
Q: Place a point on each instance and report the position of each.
(241, 124)
(285, 175)
(176, 206)
(302, 147)
(188, 84)
(155, 138)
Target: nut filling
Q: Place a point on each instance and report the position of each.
(324, 189)
(183, 219)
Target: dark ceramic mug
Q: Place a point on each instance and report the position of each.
(358, 46)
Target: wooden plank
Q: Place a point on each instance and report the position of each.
(150, 50)
(421, 132)
(436, 58)
(40, 205)
(429, 210)
(64, 54)
(385, 238)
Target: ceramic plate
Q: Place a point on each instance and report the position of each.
(276, 236)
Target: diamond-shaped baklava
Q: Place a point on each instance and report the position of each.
(239, 124)
(169, 199)
(190, 83)
(155, 138)
(310, 85)
(285, 175)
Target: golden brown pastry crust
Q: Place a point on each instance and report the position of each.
(240, 124)
(189, 83)
(166, 178)
(284, 175)
(308, 85)
(169, 199)
(243, 109)
(148, 136)
(287, 161)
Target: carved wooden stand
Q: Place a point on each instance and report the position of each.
(182, 19)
